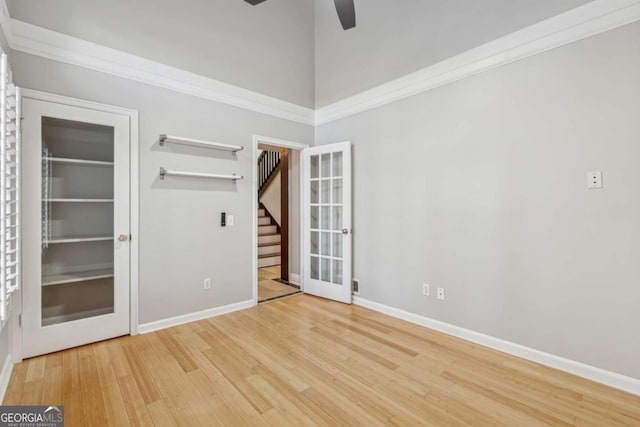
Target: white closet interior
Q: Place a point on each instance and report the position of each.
(77, 220)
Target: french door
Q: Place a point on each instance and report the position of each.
(75, 193)
(327, 221)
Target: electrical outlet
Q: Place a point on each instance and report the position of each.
(441, 294)
(356, 287)
(207, 284)
(594, 180)
(426, 290)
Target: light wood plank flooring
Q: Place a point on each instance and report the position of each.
(268, 287)
(307, 361)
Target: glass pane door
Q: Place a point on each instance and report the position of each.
(327, 239)
(76, 198)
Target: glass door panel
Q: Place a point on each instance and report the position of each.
(78, 218)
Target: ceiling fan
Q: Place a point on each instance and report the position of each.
(345, 8)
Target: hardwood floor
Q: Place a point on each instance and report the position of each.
(269, 273)
(307, 361)
(269, 288)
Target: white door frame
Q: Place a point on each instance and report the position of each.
(258, 139)
(134, 218)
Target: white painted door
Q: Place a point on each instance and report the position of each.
(76, 213)
(327, 221)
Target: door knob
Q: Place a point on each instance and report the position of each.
(345, 231)
(123, 237)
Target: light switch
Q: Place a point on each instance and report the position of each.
(230, 220)
(594, 180)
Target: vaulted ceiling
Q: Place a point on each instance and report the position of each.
(294, 50)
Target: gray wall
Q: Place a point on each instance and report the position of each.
(181, 241)
(394, 38)
(253, 47)
(480, 187)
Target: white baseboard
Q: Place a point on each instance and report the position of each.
(294, 279)
(5, 375)
(193, 317)
(612, 379)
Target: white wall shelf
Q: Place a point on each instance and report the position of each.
(165, 172)
(164, 138)
(79, 239)
(79, 200)
(62, 160)
(79, 276)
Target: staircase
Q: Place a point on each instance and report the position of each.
(268, 240)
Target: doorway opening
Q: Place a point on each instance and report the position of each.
(277, 192)
(274, 164)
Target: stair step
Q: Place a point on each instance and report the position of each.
(269, 249)
(269, 239)
(262, 212)
(277, 254)
(267, 229)
(265, 220)
(268, 261)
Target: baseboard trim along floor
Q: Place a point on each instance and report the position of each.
(612, 379)
(193, 317)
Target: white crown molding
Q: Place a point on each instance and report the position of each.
(5, 376)
(612, 379)
(585, 21)
(49, 44)
(194, 317)
(5, 22)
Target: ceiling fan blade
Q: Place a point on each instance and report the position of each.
(346, 12)
(254, 2)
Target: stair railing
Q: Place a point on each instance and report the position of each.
(268, 165)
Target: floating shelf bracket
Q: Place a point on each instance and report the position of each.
(164, 138)
(165, 172)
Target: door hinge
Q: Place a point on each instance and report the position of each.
(20, 320)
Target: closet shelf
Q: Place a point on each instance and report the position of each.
(78, 315)
(164, 138)
(66, 161)
(164, 172)
(78, 200)
(78, 276)
(79, 239)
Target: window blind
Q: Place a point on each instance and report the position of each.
(9, 188)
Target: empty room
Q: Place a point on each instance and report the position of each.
(319, 213)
